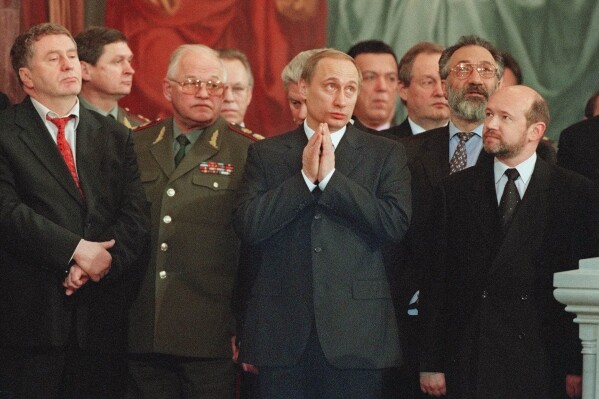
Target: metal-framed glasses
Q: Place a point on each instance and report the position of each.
(464, 69)
(192, 86)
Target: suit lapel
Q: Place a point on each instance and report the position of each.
(162, 148)
(434, 155)
(90, 140)
(295, 147)
(483, 200)
(530, 216)
(36, 136)
(348, 155)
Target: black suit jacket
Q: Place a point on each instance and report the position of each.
(399, 131)
(42, 219)
(579, 148)
(321, 255)
(489, 319)
(4, 103)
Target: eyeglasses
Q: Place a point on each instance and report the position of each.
(485, 70)
(191, 86)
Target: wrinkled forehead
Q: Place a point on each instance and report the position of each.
(471, 54)
(200, 66)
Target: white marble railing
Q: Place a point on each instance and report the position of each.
(579, 291)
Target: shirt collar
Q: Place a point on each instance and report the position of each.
(335, 137)
(113, 112)
(44, 111)
(191, 135)
(524, 169)
(453, 130)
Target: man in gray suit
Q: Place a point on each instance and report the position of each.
(321, 202)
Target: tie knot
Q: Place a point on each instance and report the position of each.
(182, 140)
(60, 122)
(512, 174)
(464, 137)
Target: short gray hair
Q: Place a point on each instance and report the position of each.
(292, 72)
(199, 49)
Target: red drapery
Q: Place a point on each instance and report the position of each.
(269, 32)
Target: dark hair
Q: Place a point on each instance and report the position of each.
(589, 109)
(234, 54)
(509, 62)
(407, 61)
(470, 41)
(21, 51)
(91, 42)
(371, 46)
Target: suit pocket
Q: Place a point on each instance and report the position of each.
(371, 289)
(147, 176)
(266, 287)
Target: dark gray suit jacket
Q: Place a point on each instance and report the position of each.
(42, 219)
(489, 319)
(321, 264)
(579, 148)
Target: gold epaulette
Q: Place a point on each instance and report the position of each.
(244, 131)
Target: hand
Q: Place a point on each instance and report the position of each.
(574, 385)
(248, 368)
(433, 384)
(94, 258)
(75, 279)
(234, 349)
(327, 157)
(311, 156)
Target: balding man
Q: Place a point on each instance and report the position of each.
(191, 164)
(491, 327)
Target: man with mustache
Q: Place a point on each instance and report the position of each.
(491, 327)
(470, 71)
(107, 71)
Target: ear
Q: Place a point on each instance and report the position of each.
(167, 90)
(86, 71)
(536, 131)
(402, 89)
(250, 91)
(25, 75)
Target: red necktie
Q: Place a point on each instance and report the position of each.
(65, 148)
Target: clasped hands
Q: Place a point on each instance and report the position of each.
(318, 158)
(92, 261)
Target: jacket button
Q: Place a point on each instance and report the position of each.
(164, 247)
(318, 216)
(170, 192)
(167, 219)
(162, 274)
(215, 184)
(484, 294)
(317, 249)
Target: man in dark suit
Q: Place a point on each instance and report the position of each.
(491, 327)
(579, 148)
(4, 102)
(321, 202)
(74, 221)
(182, 325)
(421, 91)
(429, 157)
(375, 107)
(107, 73)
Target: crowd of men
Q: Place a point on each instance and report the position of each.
(348, 258)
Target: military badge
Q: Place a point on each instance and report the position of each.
(216, 168)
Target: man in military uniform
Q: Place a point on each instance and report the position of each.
(107, 73)
(182, 326)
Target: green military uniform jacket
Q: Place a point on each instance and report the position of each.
(184, 302)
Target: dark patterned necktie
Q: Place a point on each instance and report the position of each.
(65, 148)
(509, 199)
(183, 143)
(459, 160)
